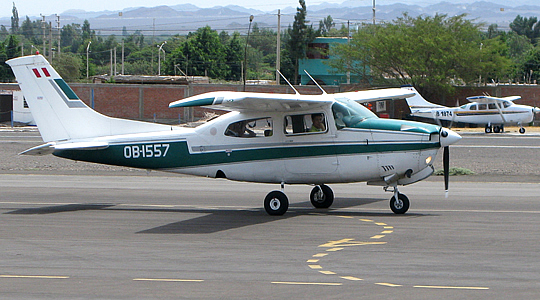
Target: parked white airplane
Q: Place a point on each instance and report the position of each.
(270, 138)
(492, 112)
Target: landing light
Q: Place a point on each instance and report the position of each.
(428, 160)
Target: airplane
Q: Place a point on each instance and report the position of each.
(493, 112)
(265, 137)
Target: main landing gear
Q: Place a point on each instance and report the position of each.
(276, 203)
(495, 129)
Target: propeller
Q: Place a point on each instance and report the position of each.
(448, 137)
(446, 168)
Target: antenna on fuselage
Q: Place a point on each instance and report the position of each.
(292, 87)
(314, 81)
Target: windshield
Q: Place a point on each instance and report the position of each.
(349, 113)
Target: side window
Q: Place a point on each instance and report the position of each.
(492, 106)
(473, 107)
(506, 104)
(482, 106)
(262, 127)
(305, 124)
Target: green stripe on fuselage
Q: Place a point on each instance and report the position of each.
(175, 154)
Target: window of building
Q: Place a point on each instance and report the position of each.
(317, 51)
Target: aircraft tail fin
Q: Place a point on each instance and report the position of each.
(417, 102)
(59, 114)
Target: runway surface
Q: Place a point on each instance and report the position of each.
(67, 233)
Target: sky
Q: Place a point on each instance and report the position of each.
(51, 7)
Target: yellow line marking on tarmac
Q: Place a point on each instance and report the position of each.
(380, 236)
(351, 278)
(388, 284)
(327, 272)
(366, 220)
(388, 227)
(34, 276)
(452, 287)
(334, 249)
(308, 283)
(320, 255)
(168, 280)
(381, 224)
(312, 260)
(345, 217)
(387, 231)
(315, 267)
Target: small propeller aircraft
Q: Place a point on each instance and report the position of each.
(269, 138)
(493, 112)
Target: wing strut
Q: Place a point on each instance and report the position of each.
(292, 87)
(314, 81)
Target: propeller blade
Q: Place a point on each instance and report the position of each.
(446, 168)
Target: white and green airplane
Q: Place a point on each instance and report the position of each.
(493, 112)
(269, 138)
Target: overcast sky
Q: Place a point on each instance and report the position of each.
(48, 7)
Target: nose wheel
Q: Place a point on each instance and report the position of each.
(400, 204)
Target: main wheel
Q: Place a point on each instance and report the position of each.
(488, 129)
(321, 196)
(276, 203)
(496, 129)
(522, 130)
(401, 205)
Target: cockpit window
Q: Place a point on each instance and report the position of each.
(506, 104)
(251, 128)
(347, 114)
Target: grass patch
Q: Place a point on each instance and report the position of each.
(455, 171)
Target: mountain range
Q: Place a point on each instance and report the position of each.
(184, 18)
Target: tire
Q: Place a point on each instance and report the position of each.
(496, 129)
(276, 203)
(522, 130)
(321, 196)
(488, 129)
(401, 206)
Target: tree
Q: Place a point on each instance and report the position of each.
(68, 65)
(300, 35)
(325, 25)
(528, 27)
(432, 53)
(14, 20)
(234, 57)
(202, 54)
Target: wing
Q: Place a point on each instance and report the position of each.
(489, 99)
(375, 95)
(242, 101)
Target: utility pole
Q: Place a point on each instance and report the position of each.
(122, 56)
(278, 47)
(50, 42)
(373, 12)
(245, 52)
(59, 35)
(43, 27)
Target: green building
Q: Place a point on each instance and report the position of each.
(316, 54)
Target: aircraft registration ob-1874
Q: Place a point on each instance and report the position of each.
(269, 138)
(493, 112)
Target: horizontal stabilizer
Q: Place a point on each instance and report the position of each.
(39, 150)
(49, 148)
